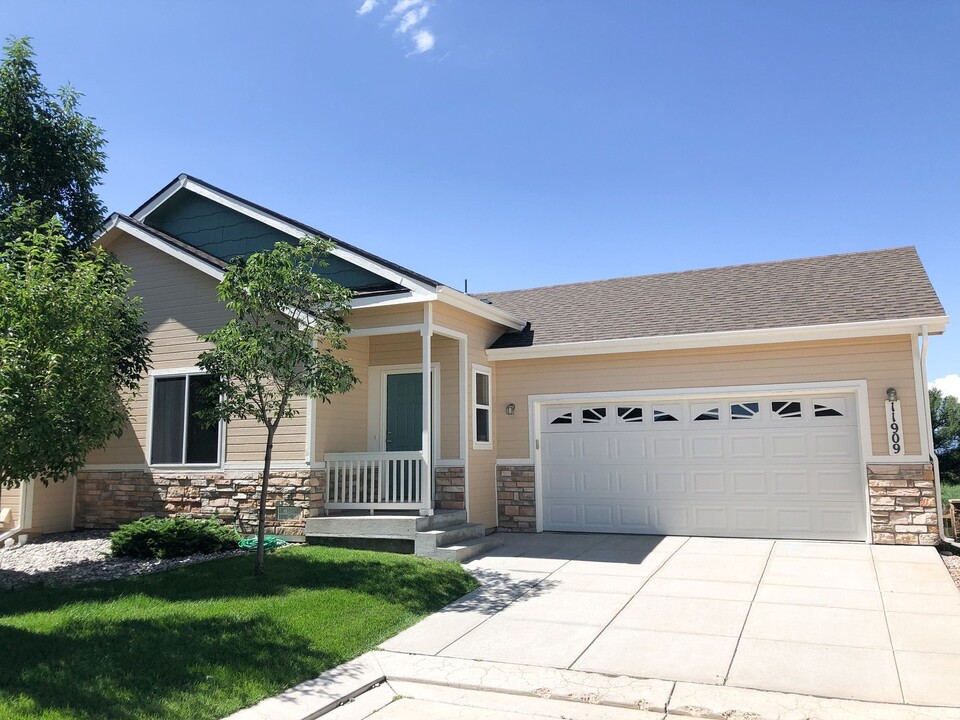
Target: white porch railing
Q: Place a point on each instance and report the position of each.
(376, 481)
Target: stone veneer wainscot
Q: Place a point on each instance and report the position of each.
(449, 488)
(109, 499)
(516, 498)
(903, 504)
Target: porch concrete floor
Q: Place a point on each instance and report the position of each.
(840, 620)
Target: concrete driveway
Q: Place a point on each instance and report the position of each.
(875, 623)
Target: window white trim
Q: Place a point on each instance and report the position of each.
(221, 434)
(482, 370)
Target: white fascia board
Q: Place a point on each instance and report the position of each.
(183, 182)
(909, 326)
(393, 299)
(129, 228)
(167, 193)
(477, 307)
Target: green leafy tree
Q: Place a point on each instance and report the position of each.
(51, 156)
(287, 322)
(945, 416)
(72, 351)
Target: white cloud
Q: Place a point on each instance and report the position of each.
(402, 6)
(948, 384)
(407, 17)
(412, 17)
(424, 41)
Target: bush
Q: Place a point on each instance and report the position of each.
(152, 537)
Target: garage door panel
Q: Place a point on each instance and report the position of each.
(599, 516)
(745, 446)
(667, 447)
(832, 445)
(706, 447)
(562, 448)
(635, 518)
(749, 467)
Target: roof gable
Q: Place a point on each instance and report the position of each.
(225, 234)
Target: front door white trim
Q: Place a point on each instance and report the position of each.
(858, 387)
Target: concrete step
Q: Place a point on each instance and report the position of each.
(399, 526)
(467, 549)
(428, 541)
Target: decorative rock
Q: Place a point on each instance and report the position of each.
(79, 557)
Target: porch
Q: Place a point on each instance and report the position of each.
(394, 449)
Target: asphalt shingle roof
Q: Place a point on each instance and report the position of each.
(856, 287)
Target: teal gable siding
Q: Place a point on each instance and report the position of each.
(224, 233)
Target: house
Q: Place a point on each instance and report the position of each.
(783, 400)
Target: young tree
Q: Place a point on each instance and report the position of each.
(51, 156)
(288, 321)
(72, 350)
(945, 416)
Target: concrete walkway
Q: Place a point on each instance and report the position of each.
(835, 620)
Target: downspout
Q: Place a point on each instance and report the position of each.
(929, 423)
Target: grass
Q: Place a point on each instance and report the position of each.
(949, 491)
(206, 640)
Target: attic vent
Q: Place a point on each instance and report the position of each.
(488, 301)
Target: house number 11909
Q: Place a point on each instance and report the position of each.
(894, 434)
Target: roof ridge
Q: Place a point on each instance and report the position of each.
(676, 273)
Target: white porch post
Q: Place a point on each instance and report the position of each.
(426, 334)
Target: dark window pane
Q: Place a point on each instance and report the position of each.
(201, 440)
(483, 389)
(167, 441)
(564, 419)
(483, 425)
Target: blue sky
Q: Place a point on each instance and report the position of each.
(520, 143)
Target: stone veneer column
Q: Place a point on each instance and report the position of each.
(516, 498)
(449, 488)
(109, 499)
(903, 504)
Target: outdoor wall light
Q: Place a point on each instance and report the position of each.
(511, 409)
(892, 394)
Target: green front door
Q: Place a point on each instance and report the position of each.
(404, 429)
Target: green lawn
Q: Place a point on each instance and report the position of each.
(949, 491)
(206, 640)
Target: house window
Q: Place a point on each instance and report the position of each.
(178, 436)
(481, 407)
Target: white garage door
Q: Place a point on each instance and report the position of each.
(744, 466)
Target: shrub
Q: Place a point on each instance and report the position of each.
(152, 537)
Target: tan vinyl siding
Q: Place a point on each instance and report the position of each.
(883, 362)
(446, 351)
(180, 303)
(405, 314)
(482, 500)
(53, 506)
(10, 499)
(341, 425)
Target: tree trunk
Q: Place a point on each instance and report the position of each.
(262, 515)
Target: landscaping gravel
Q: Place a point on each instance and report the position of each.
(79, 557)
(953, 565)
